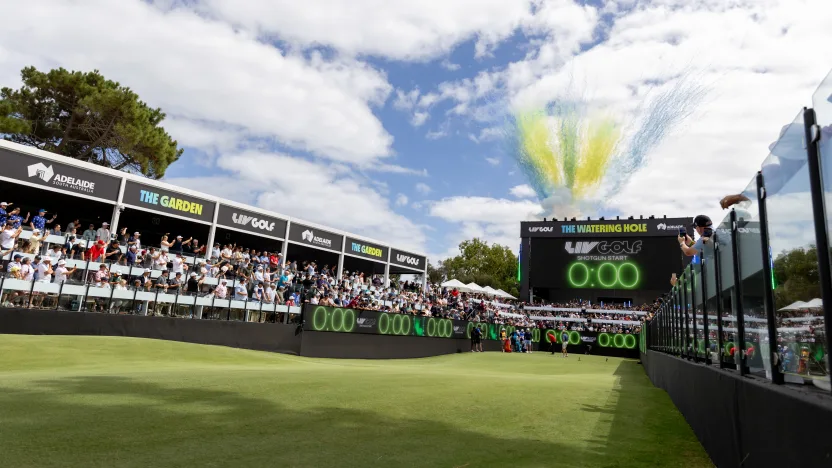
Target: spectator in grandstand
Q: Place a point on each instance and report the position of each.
(103, 232)
(221, 291)
(90, 235)
(131, 256)
(56, 231)
(9, 235)
(135, 240)
(703, 226)
(62, 273)
(39, 221)
(16, 219)
(113, 253)
(55, 253)
(3, 214)
(73, 225)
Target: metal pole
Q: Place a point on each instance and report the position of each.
(703, 282)
(768, 283)
(735, 259)
(693, 310)
(719, 310)
(813, 136)
(685, 304)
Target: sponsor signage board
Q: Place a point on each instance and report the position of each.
(314, 237)
(319, 318)
(607, 228)
(52, 174)
(407, 259)
(168, 201)
(365, 249)
(234, 217)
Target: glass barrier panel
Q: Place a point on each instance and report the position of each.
(698, 318)
(72, 296)
(801, 343)
(238, 311)
(750, 253)
(711, 303)
(728, 318)
(822, 103)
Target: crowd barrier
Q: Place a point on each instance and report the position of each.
(357, 321)
(741, 341)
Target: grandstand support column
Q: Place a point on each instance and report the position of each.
(285, 247)
(386, 275)
(340, 270)
(525, 255)
(209, 244)
(117, 209)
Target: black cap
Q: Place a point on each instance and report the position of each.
(702, 221)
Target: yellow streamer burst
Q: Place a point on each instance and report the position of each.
(534, 136)
(596, 153)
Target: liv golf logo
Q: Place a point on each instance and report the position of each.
(407, 259)
(254, 222)
(310, 237)
(47, 174)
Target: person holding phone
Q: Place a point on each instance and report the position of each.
(703, 226)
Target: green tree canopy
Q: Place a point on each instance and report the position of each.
(487, 265)
(87, 117)
(796, 276)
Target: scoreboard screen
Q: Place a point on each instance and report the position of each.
(615, 263)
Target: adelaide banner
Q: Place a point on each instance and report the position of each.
(344, 320)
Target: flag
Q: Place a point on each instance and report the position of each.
(520, 254)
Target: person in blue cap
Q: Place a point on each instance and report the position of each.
(39, 222)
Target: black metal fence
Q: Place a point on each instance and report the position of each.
(758, 297)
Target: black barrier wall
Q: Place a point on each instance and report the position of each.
(346, 321)
(745, 421)
(272, 337)
(366, 346)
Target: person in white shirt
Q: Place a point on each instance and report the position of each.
(55, 253)
(9, 236)
(176, 263)
(161, 262)
(241, 291)
(103, 232)
(62, 273)
(27, 272)
(269, 294)
(45, 270)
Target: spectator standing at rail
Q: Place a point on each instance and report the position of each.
(16, 219)
(3, 214)
(89, 235)
(39, 221)
(564, 342)
(97, 251)
(103, 233)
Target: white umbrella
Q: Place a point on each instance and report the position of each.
(489, 290)
(454, 283)
(474, 287)
(502, 293)
(795, 306)
(816, 303)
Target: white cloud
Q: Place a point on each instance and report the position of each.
(338, 199)
(207, 75)
(401, 199)
(523, 191)
(487, 134)
(419, 118)
(491, 219)
(423, 188)
(493, 161)
(450, 66)
(406, 100)
(394, 29)
(436, 134)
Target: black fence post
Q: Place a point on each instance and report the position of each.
(768, 283)
(735, 259)
(686, 316)
(705, 338)
(813, 136)
(719, 305)
(693, 310)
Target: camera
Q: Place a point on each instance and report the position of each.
(683, 232)
(708, 232)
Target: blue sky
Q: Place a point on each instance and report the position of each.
(384, 118)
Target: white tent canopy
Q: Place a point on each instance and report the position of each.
(815, 303)
(454, 283)
(502, 293)
(795, 306)
(489, 290)
(474, 287)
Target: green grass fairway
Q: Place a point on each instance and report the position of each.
(123, 402)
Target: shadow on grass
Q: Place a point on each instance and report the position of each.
(644, 424)
(98, 421)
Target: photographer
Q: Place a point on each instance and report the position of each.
(703, 226)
